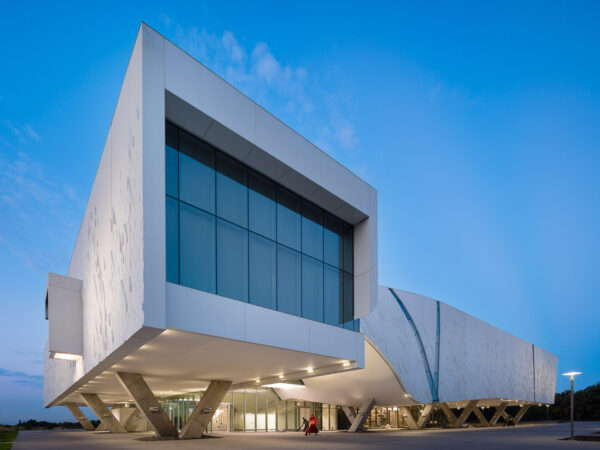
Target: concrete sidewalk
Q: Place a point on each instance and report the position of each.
(521, 437)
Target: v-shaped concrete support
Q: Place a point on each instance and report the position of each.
(147, 404)
(482, 420)
(465, 413)
(350, 413)
(362, 416)
(427, 410)
(106, 417)
(521, 413)
(83, 421)
(205, 410)
(408, 417)
(499, 411)
(448, 413)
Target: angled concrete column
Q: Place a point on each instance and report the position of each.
(482, 420)
(427, 410)
(350, 413)
(521, 413)
(362, 415)
(106, 417)
(407, 414)
(100, 427)
(465, 413)
(147, 404)
(448, 413)
(131, 419)
(205, 410)
(499, 411)
(83, 421)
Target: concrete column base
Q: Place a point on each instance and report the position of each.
(499, 411)
(362, 415)
(83, 421)
(205, 410)
(106, 417)
(147, 404)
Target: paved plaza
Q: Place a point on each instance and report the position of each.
(544, 436)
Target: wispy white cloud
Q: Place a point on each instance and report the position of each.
(22, 378)
(37, 213)
(289, 91)
(25, 133)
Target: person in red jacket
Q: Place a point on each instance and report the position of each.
(312, 426)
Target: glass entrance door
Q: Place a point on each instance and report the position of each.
(220, 421)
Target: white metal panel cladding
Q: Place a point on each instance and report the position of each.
(476, 360)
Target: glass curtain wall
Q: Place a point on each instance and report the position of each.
(256, 409)
(235, 233)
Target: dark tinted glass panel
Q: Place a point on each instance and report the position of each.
(348, 311)
(288, 219)
(332, 240)
(348, 237)
(172, 215)
(172, 171)
(288, 280)
(196, 173)
(197, 248)
(262, 207)
(312, 230)
(171, 135)
(333, 295)
(232, 261)
(312, 288)
(232, 193)
(263, 270)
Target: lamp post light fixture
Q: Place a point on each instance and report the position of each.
(571, 375)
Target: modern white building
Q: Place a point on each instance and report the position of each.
(225, 278)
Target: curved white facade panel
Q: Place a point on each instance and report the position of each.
(443, 354)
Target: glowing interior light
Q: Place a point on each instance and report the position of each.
(65, 356)
(285, 386)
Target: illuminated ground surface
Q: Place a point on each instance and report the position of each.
(524, 436)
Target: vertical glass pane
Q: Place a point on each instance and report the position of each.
(172, 172)
(171, 135)
(333, 418)
(238, 411)
(232, 193)
(232, 261)
(172, 214)
(197, 248)
(263, 271)
(348, 301)
(325, 417)
(281, 417)
(332, 241)
(292, 422)
(312, 288)
(250, 410)
(348, 250)
(272, 401)
(288, 280)
(333, 295)
(261, 410)
(312, 231)
(288, 219)
(262, 206)
(196, 172)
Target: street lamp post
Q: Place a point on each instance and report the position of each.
(571, 376)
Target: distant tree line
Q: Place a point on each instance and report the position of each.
(587, 406)
(45, 425)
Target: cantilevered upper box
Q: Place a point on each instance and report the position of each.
(217, 243)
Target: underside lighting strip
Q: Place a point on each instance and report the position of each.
(432, 385)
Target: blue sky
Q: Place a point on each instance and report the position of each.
(478, 122)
